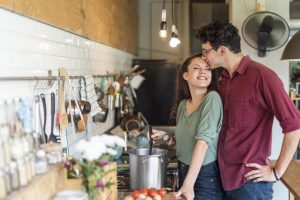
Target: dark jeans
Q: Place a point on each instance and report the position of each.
(208, 185)
(251, 191)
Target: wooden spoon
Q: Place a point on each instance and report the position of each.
(63, 118)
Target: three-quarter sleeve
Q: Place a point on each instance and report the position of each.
(211, 118)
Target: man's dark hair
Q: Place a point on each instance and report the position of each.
(220, 33)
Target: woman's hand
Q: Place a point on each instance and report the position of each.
(157, 134)
(186, 192)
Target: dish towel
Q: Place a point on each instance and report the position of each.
(91, 95)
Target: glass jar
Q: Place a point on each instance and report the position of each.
(41, 165)
(16, 148)
(3, 192)
(6, 144)
(22, 172)
(32, 164)
(7, 177)
(28, 168)
(14, 176)
(2, 155)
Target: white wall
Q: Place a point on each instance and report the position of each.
(238, 13)
(31, 48)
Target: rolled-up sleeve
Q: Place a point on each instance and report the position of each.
(278, 102)
(210, 119)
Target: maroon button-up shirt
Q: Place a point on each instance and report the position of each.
(251, 98)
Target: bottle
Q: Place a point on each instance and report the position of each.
(22, 172)
(41, 165)
(3, 192)
(14, 176)
(32, 164)
(28, 168)
(7, 179)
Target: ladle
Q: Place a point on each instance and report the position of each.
(150, 141)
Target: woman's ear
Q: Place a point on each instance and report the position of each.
(185, 75)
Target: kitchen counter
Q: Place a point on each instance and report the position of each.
(291, 178)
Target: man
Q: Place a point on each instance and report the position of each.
(252, 95)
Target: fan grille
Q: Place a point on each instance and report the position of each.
(275, 39)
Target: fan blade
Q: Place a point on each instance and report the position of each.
(278, 35)
(251, 29)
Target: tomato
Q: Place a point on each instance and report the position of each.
(144, 191)
(152, 193)
(135, 193)
(162, 192)
(157, 197)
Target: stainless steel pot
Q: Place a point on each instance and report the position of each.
(148, 170)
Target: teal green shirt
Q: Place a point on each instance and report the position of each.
(202, 124)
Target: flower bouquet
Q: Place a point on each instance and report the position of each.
(94, 156)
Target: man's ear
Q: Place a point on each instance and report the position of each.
(223, 50)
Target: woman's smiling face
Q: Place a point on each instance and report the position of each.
(198, 74)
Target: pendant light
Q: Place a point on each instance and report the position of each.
(174, 42)
(292, 49)
(163, 24)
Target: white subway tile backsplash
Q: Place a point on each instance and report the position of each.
(31, 48)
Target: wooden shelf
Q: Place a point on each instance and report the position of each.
(44, 186)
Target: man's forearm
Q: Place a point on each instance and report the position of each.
(288, 148)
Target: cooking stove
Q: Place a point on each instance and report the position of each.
(123, 174)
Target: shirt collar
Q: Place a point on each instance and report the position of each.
(240, 69)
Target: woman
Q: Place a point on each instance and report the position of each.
(198, 113)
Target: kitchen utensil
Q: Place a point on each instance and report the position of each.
(84, 108)
(45, 117)
(52, 138)
(151, 140)
(100, 94)
(63, 72)
(102, 115)
(130, 122)
(148, 170)
(63, 118)
(39, 133)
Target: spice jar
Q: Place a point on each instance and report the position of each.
(3, 193)
(41, 165)
(22, 172)
(14, 176)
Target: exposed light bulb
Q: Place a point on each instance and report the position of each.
(163, 24)
(163, 33)
(173, 42)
